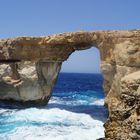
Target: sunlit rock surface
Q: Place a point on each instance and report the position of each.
(30, 65)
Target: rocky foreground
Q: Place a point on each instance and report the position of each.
(30, 66)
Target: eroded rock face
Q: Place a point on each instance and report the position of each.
(30, 65)
(31, 81)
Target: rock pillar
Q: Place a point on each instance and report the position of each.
(47, 73)
(28, 81)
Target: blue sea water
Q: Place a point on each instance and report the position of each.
(75, 112)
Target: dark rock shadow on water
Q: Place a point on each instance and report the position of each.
(12, 104)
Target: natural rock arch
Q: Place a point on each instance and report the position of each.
(31, 65)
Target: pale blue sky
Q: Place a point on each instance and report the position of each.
(44, 17)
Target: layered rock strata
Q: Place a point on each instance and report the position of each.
(30, 65)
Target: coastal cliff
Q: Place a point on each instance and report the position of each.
(30, 66)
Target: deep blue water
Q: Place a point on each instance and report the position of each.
(75, 112)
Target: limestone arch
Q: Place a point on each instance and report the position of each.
(120, 64)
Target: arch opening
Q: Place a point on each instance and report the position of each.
(79, 92)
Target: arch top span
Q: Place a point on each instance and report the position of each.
(58, 47)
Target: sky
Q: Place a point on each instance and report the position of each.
(45, 17)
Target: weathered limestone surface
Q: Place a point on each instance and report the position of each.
(31, 82)
(30, 65)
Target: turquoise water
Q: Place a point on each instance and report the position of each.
(75, 112)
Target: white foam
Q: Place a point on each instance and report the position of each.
(2, 110)
(58, 125)
(91, 101)
(99, 102)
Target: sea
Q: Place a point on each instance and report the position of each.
(75, 112)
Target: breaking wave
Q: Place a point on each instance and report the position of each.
(51, 124)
